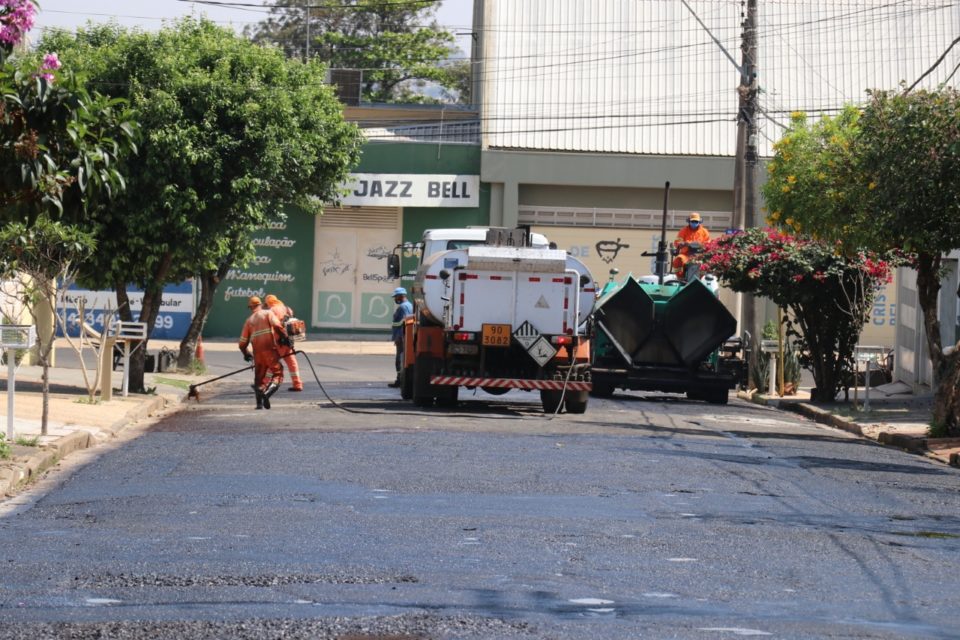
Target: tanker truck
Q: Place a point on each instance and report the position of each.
(495, 313)
(660, 333)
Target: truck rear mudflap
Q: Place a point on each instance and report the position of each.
(511, 383)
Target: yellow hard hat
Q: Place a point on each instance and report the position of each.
(253, 301)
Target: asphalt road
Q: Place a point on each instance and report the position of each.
(651, 517)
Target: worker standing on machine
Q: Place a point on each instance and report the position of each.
(287, 352)
(690, 241)
(263, 333)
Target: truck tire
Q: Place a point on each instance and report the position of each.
(406, 382)
(550, 400)
(423, 391)
(576, 401)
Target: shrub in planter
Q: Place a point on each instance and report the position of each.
(828, 294)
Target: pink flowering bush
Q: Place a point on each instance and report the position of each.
(828, 294)
(16, 18)
(50, 63)
(59, 144)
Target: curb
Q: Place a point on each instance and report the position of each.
(27, 469)
(912, 444)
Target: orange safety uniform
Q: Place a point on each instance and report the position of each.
(261, 331)
(287, 355)
(700, 234)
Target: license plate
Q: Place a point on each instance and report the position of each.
(495, 335)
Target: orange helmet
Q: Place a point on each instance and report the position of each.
(253, 301)
(271, 300)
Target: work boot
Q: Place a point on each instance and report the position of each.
(269, 391)
(295, 389)
(259, 394)
(395, 384)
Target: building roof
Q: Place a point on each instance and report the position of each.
(645, 77)
(457, 132)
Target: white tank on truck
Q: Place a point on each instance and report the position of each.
(498, 314)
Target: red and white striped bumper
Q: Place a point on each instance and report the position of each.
(509, 383)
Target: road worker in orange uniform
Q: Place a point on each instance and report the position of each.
(694, 232)
(287, 355)
(263, 333)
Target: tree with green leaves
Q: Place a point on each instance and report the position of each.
(60, 145)
(887, 177)
(396, 48)
(43, 257)
(61, 153)
(233, 132)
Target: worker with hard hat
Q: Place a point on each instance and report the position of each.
(286, 351)
(404, 309)
(690, 241)
(263, 333)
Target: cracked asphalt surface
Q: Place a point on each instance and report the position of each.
(648, 516)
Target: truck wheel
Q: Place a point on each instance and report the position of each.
(423, 391)
(550, 400)
(406, 382)
(576, 401)
(447, 396)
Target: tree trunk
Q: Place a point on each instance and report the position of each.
(45, 391)
(826, 364)
(208, 284)
(946, 398)
(152, 296)
(44, 349)
(138, 358)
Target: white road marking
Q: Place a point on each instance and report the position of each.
(681, 559)
(591, 601)
(737, 631)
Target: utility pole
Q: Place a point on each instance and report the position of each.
(307, 56)
(745, 187)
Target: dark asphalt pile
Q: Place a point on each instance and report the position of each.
(406, 627)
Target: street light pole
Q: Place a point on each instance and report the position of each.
(745, 189)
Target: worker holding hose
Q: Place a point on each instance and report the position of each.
(286, 351)
(264, 334)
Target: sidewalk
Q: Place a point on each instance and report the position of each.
(896, 418)
(75, 424)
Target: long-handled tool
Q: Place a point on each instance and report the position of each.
(193, 393)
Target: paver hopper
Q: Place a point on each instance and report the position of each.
(661, 334)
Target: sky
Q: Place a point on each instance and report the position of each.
(455, 15)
